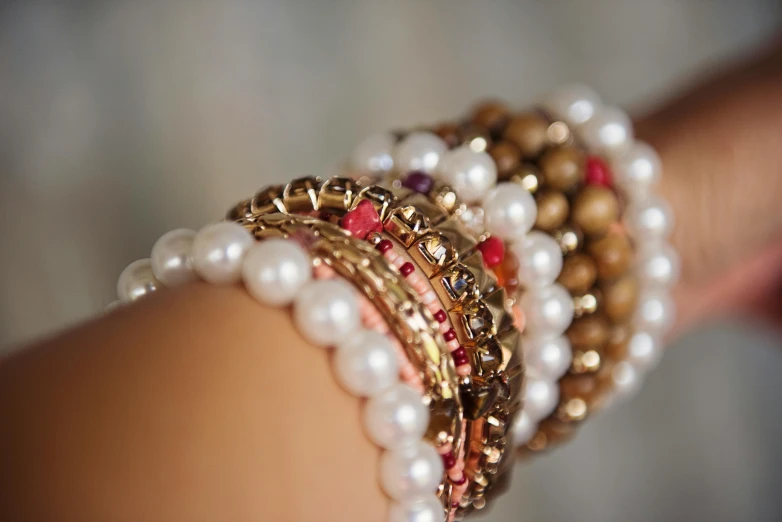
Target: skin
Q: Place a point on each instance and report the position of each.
(152, 414)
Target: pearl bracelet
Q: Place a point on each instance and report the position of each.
(608, 345)
(418, 237)
(279, 272)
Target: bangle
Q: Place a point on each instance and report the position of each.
(423, 238)
(279, 272)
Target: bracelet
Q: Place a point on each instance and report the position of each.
(483, 335)
(575, 209)
(279, 272)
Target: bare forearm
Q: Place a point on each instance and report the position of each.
(195, 404)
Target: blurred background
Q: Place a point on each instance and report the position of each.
(122, 120)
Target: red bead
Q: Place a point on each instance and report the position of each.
(454, 505)
(460, 352)
(597, 172)
(460, 481)
(407, 269)
(449, 460)
(440, 316)
(450, 335)
(362, 220)
(493, 250)
(461, 361)
(384, 246)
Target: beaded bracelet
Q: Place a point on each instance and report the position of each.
(578, 212)
(281, 272)
(428, 241)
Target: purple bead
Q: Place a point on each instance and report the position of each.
(421, 182)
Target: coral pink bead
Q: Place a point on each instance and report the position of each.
(597, 172)
(399, 262)
(391, 256)
(362, 220)
(493, 250)
(453, 345)
(445, 327)
(407, 269)
(460, 481)
(440, 316)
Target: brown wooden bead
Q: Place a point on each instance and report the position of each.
(578, 274)
(589, 332)
(553, 209)
(612, 254)
(491, 115)
(620, 299)
(507, 156)
(563, 168)
(595, 209)
(450, 134)
(616, 347)
(578, 385)
(528, 132)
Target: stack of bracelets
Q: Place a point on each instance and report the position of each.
(424, 264)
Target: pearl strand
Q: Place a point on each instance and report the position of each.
(506, 211)
(278, 272)
(648, 220)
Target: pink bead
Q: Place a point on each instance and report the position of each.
(399, 262)
(323, 272)
(429, 297)
(463, 370)
(391, 256)
(444, 327)
(453, 345)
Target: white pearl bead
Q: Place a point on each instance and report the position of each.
(656, 312)
(644, 351)
(509, 211)
(326, 312)
(426, 508)
(540, 259)
(396, 416)
(420, 151)
(650, 220)
(137, 280)
(608, 132)
(523, 429)
(575, 104)
(171, 257)
(411, 471)
(541, 397)
(373, 154)
(274, 271)
(548, 310)
(547, 357)
(658, 266)
(637, 170)
(470, 174)
(626, 380)
(366, 363)
(218, 251)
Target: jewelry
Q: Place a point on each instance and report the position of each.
(279, 272)
(439, 247)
